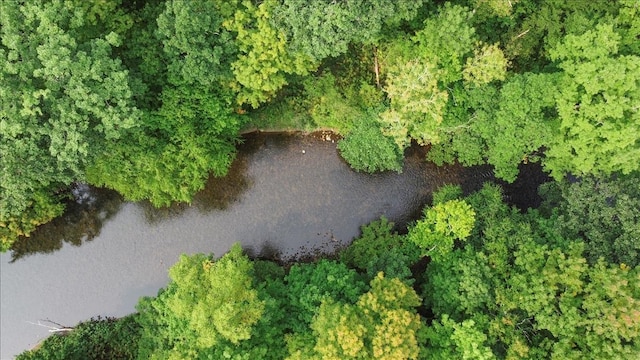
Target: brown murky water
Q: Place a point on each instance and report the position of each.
(288, 194)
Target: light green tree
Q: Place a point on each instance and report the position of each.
(487, 64)
(597, 106)
(264, 59)
(206, 303)
(442, 224)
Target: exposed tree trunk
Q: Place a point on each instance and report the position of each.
(52, 329)
(376, 66)
(522, 34)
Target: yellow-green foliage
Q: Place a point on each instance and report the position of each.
(442, 224)
(264, 59)
(42, 209)
(383, 324)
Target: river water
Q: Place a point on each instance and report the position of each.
(286, 195)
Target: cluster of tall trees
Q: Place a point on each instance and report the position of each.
(148, 97)
(497, 283)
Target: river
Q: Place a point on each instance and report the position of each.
(285, 195)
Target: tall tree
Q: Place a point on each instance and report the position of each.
(207, 302)
(382, 324)
(424, 74)
(190, 137)
(199, 49)
(603, 212)
(325, 28)
(64, 96)
(530, 291)
(264, 59)
(597, 105)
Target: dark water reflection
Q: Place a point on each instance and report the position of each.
(218, 194)
(285, 196)
(85, 214)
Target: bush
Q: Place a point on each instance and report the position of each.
(367, 149)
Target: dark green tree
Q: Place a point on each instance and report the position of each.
(190, 137)
(325, 28)
(602, 212)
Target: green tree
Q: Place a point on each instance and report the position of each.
(96, 339)
(325, 28)
(449, 340)
(442, 224)
(63, 97)
(379, 248)
(367, 149)
(502, 127)
(376, 239)
(487, 64)
(206, 303)
(541, 25)
(308, 285)
(530, 292)
(602, 212)
(191, 136)
(264, 59)
(417, 104)
(198, 47)
(383, 324)
(597, 106)
(424, 73)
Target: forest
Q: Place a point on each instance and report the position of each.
(150, 98)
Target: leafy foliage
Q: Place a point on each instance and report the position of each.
(381, 325)
(442, 224)
(376, 239)
(417, 104)
(367, 149)
(96, 339)
(604, 213)
(264, 60)
(63, 96)
(449, 340)
(328, 106)
(597, 106)
(206, 303)
(308, 285)
(198, 47)
(487, 64)
(189, 137)
(380, 249)
(531, 292)
(324, 28)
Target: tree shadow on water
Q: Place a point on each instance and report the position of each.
(86, 212)
(218, 194)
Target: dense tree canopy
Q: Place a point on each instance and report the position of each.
(106, 92)
(64, 96)
(149, 98)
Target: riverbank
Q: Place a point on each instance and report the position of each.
(284, 199)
